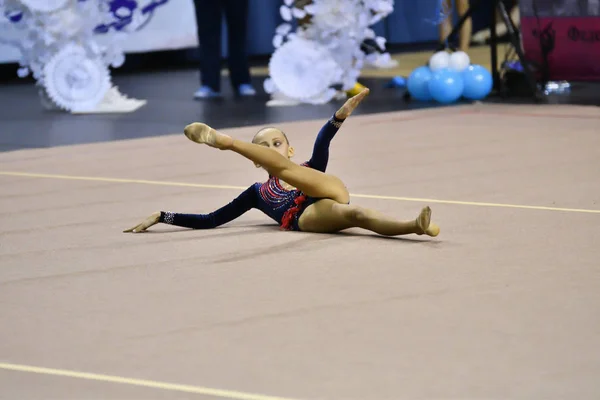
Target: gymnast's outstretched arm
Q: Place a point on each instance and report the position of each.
(241, 204)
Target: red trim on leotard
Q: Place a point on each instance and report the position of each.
(288, 216)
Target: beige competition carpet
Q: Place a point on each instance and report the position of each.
(502, 305)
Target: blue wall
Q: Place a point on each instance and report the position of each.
(263, 19)
(410, 22)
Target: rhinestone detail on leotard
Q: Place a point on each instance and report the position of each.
(276, 195)
(169, 217)
(335, 123)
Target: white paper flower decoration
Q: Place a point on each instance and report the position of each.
(45, 6)
(286, 13)
(335, 14)
(283, 29)
(56, 39)
(324, 97)
(303, 69)
(74, 81)
(277, 41)
(269, 86)
(324, 52)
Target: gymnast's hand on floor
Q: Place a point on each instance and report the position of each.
(147, 223)
(350, 104)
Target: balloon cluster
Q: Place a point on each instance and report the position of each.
(448, 77)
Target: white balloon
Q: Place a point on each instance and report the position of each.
(439, 60)
(459, 61)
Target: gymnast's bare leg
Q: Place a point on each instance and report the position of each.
(326, 216)
(311, 182)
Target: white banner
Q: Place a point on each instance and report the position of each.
(155, 25)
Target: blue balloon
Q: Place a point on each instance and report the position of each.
(396, 82)
(478, 82)
(446, 85)
(417, 84)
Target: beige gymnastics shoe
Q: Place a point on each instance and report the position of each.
(203, 134)
(425, 225)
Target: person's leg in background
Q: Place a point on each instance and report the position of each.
(446, 26)
(209, 20)
(236, 14)
(462, 6)
(484, 35)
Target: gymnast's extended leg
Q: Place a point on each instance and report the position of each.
(311, 182)
(326, 216)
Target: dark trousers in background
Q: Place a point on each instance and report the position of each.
(209, 17)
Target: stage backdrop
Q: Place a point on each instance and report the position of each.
(159, 25)
(566, 33)
(171, 25)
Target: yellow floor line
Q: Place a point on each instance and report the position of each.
(364, 196)
(227, 394)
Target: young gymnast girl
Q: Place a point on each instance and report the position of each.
(298, 197)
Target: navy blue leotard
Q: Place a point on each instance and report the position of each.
(283, 206)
